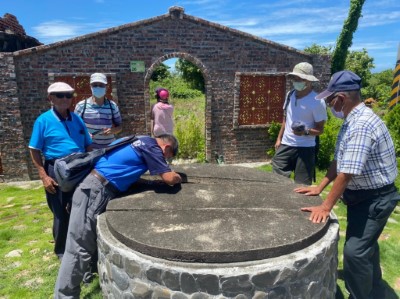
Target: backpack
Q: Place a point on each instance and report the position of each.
(72, 169)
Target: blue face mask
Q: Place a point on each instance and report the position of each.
(98, 92)
(338, 114)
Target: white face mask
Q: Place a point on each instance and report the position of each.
(98, 92)
(339, 114)
(299, 85)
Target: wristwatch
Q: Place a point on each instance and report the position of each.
(307, 132)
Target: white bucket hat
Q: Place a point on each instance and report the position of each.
(305, 71)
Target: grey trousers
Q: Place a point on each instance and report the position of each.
(90, 199)
(365, 222)
(301, 160)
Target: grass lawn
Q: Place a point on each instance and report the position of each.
(28, 266)
(389, 244)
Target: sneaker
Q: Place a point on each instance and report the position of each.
(88, 277)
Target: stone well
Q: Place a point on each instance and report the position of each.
(226, 232)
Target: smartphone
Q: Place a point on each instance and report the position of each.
(97, 132)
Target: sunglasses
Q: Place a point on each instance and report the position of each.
(98, 85)
(61, 95)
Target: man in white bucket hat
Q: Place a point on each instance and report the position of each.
(304, 119)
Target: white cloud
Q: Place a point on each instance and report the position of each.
(56, 30)
(378, 19)
(300, 28)
(53, 31)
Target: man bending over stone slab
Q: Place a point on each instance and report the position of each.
(113, 173)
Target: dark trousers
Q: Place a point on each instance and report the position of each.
(90, 200)
(58, 204)
(365, 222)
(301, 160)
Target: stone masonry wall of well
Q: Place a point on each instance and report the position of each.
(309, 273)
(218, 51)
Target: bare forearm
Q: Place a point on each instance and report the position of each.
(337, 190)
(37, 162)
(329, 177)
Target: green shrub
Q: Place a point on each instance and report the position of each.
(392, 120)
(327, 142)
(177, 87)
(189, 133)
(273, 132)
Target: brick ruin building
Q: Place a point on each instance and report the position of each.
(13, 36)
(244, 78)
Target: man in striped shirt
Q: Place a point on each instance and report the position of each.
(101, 115)
(363, 170)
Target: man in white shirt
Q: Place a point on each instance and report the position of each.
(304, 119)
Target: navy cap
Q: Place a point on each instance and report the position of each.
(341, 81)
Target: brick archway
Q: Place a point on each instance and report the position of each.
(207, 85)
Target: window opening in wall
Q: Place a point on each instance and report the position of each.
(185, 83)
(261, 98)
(81, 84)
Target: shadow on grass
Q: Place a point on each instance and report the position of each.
(390, 293)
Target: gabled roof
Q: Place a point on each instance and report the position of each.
(175, 12)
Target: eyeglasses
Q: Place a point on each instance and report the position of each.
(61, 95)
(329, 100)
(98, 85)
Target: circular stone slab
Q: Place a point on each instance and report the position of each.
(220, 214)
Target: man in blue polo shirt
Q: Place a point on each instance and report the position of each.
(57, 133)
(113, 173)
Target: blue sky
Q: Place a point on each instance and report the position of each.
(296, 23)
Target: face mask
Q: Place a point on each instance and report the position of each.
(98, 92)
(299, 86)
(339, 114)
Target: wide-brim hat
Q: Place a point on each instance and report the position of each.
(305, 71)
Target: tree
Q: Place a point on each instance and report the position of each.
(160, 73)
(191, 74)
(379, 87)
(318, 49)
(361, 63)
(345, 39)
(358, 62)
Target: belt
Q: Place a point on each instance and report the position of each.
(353, 197)
(109, 186)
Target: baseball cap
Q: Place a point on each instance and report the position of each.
(98, 77)
(59, 87)
(163, 94)
(341, 81)
(305, 71)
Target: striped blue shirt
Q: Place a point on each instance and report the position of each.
(99, 117)
(365, 149)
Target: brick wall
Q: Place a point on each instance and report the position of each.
(13, 154)
(218, 51)
(9, 22)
